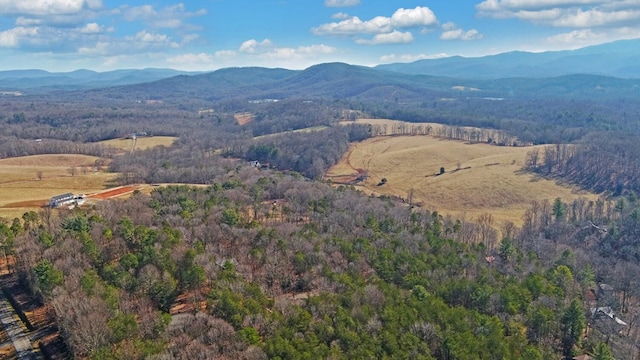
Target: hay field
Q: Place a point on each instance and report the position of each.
(21, 188)
(478, 178)
(142, 143)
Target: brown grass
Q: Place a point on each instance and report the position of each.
(478, 178)
(21, 189)
(142, 143)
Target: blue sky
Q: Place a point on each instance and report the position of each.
(64, 35)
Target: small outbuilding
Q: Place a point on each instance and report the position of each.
(61, 200)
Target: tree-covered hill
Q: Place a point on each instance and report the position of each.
(270, 266)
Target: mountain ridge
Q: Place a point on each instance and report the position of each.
(617, 59)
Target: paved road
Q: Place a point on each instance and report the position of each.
(12, 325)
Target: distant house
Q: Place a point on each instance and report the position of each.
(608, 312)
(61, 200)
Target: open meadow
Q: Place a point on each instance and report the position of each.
(141, 143)
(478, 178)
(28, 182)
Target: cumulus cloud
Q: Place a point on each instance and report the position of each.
(573, 37)
(47, 7)
(341, 3)
(168, 17)
(394, 37)
(452, 32)
(565, 13)
(386, 30)
(502, 5)
(596, 17)
(354, 26)
(420, 16)
(93, 28)
(253, 46)
(266, 48)
(13, 37)
(410, 57)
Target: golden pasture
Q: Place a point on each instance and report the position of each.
(28, 182)
(479, 178)
(142, 143)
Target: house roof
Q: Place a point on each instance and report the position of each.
(62, 197)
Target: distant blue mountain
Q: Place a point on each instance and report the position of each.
(40, 80)
(618, 59)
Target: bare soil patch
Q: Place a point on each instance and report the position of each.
(243, 118)
(113, 193)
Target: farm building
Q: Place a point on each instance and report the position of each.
(61, 200)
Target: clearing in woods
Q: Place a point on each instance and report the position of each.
(243, 118)
(478, 178)
(28, 182)
(142, 143)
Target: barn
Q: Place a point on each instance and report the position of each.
(60, 200)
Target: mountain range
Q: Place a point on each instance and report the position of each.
(617, 59)
(41, 80)
(609, 70)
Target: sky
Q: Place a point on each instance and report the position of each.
(205, 35)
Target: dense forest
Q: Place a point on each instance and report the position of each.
(601, 162)
(264, 265)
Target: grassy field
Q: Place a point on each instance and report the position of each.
(305, 130)
(478, 178)
(27, 183)
(142, 143)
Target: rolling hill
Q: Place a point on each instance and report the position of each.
(343, 81)
(40, 80)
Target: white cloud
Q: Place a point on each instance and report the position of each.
(267, 49)
(191, 61)
(565, 13)
(420, 16)
(47, 7)
(595, 17)
(225, 54)
(341, 3)
(452, 32)
(315, 50)
(13, 37)
(92, 28)
(502, 5)
(253, 46)
(573, 37)
(168, 17)
(100, 48)
(394, 37)
(148, 37)
(354, 26)
(386, 28)
(410, 57)
(340, 15)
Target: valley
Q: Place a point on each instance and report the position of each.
(334, 212)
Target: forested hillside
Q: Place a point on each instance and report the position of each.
(602, 162)
(263, 265)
